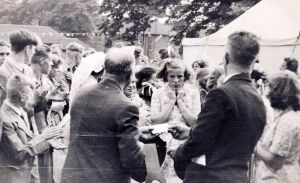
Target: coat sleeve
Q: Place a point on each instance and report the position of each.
(14, 146)
(3, 81)
(131, 154)
(205, 133)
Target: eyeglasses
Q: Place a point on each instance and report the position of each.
(2, 54)
(75, 50)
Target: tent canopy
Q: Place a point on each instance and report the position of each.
(275, 22)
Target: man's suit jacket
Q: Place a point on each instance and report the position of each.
(103, 137)
(227, 131)
(18, 147)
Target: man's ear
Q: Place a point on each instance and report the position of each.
(23, 97)
(226, 58)
(42, 61)
(26, 50)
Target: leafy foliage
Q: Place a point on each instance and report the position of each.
(128, 18)
(70, 16)
(125, 19)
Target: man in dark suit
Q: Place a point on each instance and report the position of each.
(103, 144)
(219, 147)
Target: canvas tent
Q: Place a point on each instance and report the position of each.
(276, 22)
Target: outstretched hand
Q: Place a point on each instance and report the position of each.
(180, 132)
(146, 133)
(172, 150)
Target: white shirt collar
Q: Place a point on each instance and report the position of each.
(20, 111)
(228, 77)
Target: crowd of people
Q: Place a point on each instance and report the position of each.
(75, 115)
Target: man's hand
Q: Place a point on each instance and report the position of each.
(180, 132)
(172, 150)
(146, 133)
(56, 95)
(41, 91)
(51, 132)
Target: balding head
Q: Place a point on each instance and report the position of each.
(19, 89)
(119, 61)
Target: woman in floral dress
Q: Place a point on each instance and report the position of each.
(175, 103)
(278, 151)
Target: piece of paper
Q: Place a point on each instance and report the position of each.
(160, 128)
(201, 160)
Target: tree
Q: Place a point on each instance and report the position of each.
(72, 16)
(128, 18)
(6, 6)
(205, 17)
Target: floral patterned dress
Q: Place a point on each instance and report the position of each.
(159, 99)
(282, 138)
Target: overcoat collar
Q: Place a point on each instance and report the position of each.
(112, 82)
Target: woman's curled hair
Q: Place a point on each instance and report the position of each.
(285, 91)
(172, 64)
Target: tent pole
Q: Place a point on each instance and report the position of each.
(298, 37)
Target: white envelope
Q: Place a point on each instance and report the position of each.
(160, 128)
(201, 160)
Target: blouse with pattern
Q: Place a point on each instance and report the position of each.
(282, 138)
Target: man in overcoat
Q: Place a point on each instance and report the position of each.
(103, 130)
(218, 149)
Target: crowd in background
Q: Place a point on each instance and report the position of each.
(38, 83)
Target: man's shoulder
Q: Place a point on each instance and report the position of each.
(7, 114)
(236, 86)
(85, 92)
(97, 91)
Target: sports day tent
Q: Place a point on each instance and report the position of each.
(276, 22)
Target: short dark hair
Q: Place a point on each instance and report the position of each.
(75, 47)
(164, 53)
(41, 52)
(202, 78)
(285, 91)
(243, 48)
(57, 61)
(201, 63)
(5, 43)
(118, 61)
(144, 75)
(291, 64)
(174, 63)
(22, 38)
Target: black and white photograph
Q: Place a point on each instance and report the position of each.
(149, 91)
